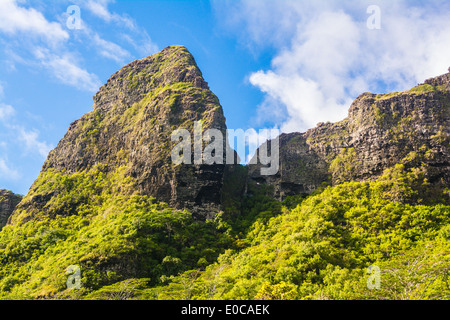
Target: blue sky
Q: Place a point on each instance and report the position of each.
(273, 63)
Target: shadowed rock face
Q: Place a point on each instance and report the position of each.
(8, 202)
(410, 127)
(130, 129)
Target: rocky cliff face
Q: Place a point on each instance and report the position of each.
(8, 202)
(410, 127)
(129, 132)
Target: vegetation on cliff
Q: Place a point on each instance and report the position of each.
(369, 193)
(318, 247)
(111, 237)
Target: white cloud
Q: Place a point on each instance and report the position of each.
(105, 48)
(48, 44)
(100, 9)
(32, 142)
(65, 69)
(45, 42)
(14, 18)
(144, 45)
(127, 32)
(6, 112)
(7, 172)
(308, 77)
(15, 131)
(137, 37)
(110, 50)
(326, 55)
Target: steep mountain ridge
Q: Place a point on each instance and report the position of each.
(381, 130)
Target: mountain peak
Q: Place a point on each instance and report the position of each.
(128, 135)
(173, 64)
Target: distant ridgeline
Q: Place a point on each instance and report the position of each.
(110, 202)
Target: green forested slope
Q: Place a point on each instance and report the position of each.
(98, 207)
(322, 248)
(112, 237)
(131, 247)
